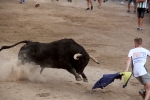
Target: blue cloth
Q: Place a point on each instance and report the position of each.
(106, 80)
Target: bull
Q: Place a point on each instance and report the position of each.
(63, 54)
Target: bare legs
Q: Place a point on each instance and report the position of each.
(129, 7)
(99, 3)
(89, 2)
(37, 3)
(140, 22)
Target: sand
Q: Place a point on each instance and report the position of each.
(106, 33)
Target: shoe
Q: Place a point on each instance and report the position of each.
(138, 28)
(92, 7)
(88, 9)
(37, 5)
(21, 2)
(128, 11)
(142, 93)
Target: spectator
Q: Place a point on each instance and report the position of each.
(129, 3)
(141, 7)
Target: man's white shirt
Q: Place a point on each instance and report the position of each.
(139, 57)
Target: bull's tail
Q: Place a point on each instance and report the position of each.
(7, 47)
(94, 59)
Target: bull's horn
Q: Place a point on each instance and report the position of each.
(94, 59)
(76, 56)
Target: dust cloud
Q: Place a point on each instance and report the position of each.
(11, 71)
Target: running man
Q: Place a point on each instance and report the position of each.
(129, 3)
(141, 7)
(138, 56)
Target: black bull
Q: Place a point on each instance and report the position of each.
(64, 54)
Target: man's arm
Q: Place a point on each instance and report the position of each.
(128, 64)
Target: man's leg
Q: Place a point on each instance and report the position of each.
(138, 22)
(147, 86)
(88, 5)
(141, 22)
(135, 6)
(128, 7)
(99, 2)
(91, 4)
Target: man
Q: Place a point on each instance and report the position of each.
(129, 2)
(138, 55)
(142, 4)
(89, 2)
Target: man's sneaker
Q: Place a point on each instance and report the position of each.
(88, 9)
(92, 7)
(142, 93)
(128, 11)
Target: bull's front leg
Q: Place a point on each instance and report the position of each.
(73, 71)
(84, 77)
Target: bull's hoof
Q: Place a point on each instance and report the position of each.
(85, 80)
(78, 79)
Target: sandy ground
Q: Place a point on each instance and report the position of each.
(106, 33)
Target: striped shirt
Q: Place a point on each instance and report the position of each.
(142, 5)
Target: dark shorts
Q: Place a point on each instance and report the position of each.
(134, 1)
(144, 78)
(140, 12)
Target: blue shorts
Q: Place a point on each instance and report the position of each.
(134, 1)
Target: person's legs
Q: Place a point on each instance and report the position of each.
(135, 6)
(37, 3)
(99, 2)
(91, 4)
(88, 5)
(128, 6)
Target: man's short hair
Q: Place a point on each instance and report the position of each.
(138, 41)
